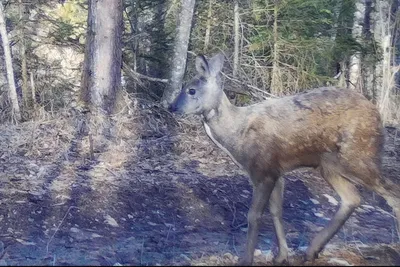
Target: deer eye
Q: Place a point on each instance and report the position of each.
(192, 91)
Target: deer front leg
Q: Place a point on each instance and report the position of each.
(275, 208)
(261, 194)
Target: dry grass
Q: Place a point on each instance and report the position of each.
(137, 122)
(388, 101)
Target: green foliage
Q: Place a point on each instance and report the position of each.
(313, 36)
(306, 19)
(69, 22)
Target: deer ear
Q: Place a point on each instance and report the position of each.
(202, 66)
(216, 63)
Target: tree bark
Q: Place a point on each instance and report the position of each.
(9, 67)
(368, 60)
(384, 73)
(3, 72)
(355, 81)
(336, 13)
(134, 43)
(26, 96)
(276, 87)
(208, 26)
(180, 52)
(33, 91)
(237, 38)
(103, 55)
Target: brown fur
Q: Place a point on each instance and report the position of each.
(295, 131)
(333, 129)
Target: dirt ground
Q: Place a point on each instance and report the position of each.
(150, 204)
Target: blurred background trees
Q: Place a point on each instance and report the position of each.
(273, 47)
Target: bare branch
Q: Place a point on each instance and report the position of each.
(137, 75)
(248, 85)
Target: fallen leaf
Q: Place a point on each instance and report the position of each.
(331, 200)
(340, 262)
(111, 221)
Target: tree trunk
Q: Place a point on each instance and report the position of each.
(336, 13)
(33, 91)
(368, 60)
(208, 26)
(396, 44)
(276, 86)
(384, 73)
(237, 38)
(9, 67)
(158, 43)
(3, 72)
(180, 52)
(103, 55)
(134, 43)
(355, 81)
(26, 96)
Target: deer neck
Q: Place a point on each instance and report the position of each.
(222, 125)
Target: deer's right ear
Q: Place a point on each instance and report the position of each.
(202, 66)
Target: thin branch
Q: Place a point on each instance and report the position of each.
(248, 85)
(135, 74)
(58, 227)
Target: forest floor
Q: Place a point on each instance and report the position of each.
(145, 201)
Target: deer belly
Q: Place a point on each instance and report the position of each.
(209, 133)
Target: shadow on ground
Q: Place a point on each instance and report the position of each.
(170, 210)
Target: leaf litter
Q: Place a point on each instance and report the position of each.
(169, 200)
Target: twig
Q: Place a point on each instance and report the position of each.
(91, 147)
(239, 225)
(141, 252)
(58, 227)
(192, 53)
(135, 74)
(248, 85)
(234, 246)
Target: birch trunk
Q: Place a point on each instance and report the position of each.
(368, 60)
(3, 72)
(180, 52)
(25, 91)
(237, 38)
(355, 81)
(9, 67)
(384, 73)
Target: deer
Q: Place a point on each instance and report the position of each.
(335, 130)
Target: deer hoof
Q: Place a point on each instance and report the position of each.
(311, 255)
(281, 260)
(244, 262)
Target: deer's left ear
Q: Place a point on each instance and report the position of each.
(216, 63)
(202, 66)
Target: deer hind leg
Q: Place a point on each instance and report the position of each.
(363, 166)
(391, 193)
(275, 208)
(394, 202)
(370, 175)
(350, 200)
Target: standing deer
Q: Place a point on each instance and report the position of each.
(335, 130)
